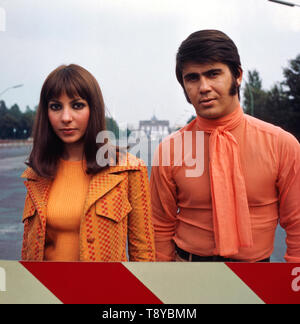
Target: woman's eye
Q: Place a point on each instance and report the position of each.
(55, 106)
(78, 105)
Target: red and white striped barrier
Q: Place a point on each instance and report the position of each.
(149, 283)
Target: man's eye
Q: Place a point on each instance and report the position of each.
(55, 106)
(192, 77)
(214, 73)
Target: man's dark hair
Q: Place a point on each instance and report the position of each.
(209, 46)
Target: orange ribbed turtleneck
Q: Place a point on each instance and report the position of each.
(64, 211)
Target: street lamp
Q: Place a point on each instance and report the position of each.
(290, 4)
(13, 87)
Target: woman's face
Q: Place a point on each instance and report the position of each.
(69, 118)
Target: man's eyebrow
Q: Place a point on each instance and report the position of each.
(212, 71)
(197, 74)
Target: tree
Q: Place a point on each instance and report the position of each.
(281, 104)
(292, 82)
(191, 119)
(3, 108)
(111, 125)
(14, 124)
(16, 114)
(292, 86)
(27, 122)
(254, 95)
(276, 108)
(8, 126)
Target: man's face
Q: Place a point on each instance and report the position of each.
(208, 87)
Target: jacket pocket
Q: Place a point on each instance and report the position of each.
(114, 205)
(29, 208)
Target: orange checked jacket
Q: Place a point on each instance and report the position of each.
(117, 208)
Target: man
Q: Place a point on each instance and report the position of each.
(251, 170)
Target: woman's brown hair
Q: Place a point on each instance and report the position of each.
(73, 80)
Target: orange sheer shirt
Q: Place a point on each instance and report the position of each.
(182, 206)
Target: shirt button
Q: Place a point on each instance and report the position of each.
(90, 240)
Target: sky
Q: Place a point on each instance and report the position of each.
(130, 47)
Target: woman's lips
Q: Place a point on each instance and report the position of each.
(68, 131)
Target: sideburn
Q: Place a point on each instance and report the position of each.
(235, 88)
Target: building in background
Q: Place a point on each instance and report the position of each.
(155, 128)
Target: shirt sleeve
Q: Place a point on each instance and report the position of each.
(164, 208)
(140, 228)
(289, 193)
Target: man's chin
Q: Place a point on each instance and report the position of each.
(210, 113)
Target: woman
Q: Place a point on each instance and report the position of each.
(77, 209)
